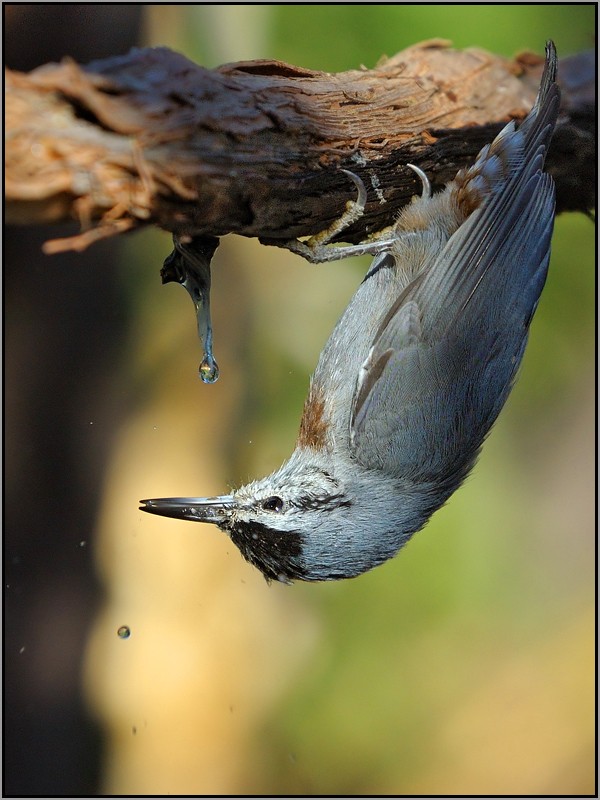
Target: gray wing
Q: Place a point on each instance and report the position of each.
(443, 362)
(444, 358)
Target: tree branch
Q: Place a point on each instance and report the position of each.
(256, 148)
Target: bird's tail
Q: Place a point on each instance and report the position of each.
(513, 147)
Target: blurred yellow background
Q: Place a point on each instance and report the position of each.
(463, 666)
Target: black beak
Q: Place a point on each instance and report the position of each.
(198, 509)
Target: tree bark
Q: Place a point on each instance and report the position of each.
(256, 148)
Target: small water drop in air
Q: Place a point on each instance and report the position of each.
(124, 632)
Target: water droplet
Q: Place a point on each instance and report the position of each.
(209, 370)
(124, 632)
(133, 730)
(22, 650)
(82, 543)
(189, 264)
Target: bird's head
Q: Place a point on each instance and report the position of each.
(300, 523)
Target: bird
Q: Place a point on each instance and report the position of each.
(414, 374)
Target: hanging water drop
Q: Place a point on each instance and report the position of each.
(189, 265)
(209, 369)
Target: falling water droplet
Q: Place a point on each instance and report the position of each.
(209, 371)
(124, 632)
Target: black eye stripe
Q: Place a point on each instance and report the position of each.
(331, 500)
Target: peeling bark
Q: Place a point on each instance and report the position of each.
(255, 148)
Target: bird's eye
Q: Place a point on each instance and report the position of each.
(273, 504)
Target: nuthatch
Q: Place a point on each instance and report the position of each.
(414, 374)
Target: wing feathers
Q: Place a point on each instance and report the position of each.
(446, 353)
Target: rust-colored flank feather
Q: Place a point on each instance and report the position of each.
(313, 425)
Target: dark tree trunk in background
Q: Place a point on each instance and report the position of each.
(63, 328)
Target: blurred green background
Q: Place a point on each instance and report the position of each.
(465, 665)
